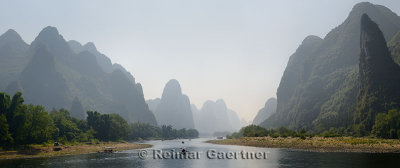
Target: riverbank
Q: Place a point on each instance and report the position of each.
(319, 144)
(35, 151)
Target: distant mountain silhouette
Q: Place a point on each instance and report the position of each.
(319, 87)
(234, 120)
(52, 72)
(102, 60)
(215, 117)
(41, 83)
(174, 107)
(266, 111)
(153, 104)
(12, 57)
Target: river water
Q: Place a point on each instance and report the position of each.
(205, 155)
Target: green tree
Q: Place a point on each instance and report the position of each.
(16, 101)
(142, 131)
(5, 137)
(387, 125)
(66, 128)
(40, 126)
(4, 103)
(192, 133)
(119, 127)
(254, 131)
(107, 126)
(167, 132)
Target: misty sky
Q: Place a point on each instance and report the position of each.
(236, 50)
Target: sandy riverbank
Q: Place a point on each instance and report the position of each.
(319, 144)
(42, 151)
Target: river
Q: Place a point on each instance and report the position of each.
(204, 155)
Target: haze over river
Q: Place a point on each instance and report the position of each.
(273, 158)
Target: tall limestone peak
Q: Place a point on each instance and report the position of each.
(42, 83)
(49, 35)
(373, 49)
(172, 90)
(54, 41)
(12, 45)
(174, 107)
(380, 14)
(379, 75)
(52, 72)
(103, 60)
(319, 87)
(10, 36)
(215, 116)
(12, 58)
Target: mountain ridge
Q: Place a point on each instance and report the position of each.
(319, 87)
(77, 75)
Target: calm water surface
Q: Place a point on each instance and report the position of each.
(275, 158)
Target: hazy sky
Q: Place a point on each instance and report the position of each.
(236, 50)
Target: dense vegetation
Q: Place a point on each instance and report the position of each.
(386, 126)
(344, 84)
(22, 124)
(140, 131)
(379, 89)
(257, 131)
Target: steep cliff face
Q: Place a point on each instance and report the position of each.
(266, 111)
(394, 47)
(42, 83)
(174, 107)
(319, 87)
(12, 57)
(52, 72)
(379, 76)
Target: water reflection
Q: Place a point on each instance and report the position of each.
(276, 158)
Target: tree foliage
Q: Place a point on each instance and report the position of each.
(22, 124)
(387, 125)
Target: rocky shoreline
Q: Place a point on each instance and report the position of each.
(39, 151)
(319, 144)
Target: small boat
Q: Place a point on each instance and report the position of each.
(109, 149)
(56, 147)
(183, 152)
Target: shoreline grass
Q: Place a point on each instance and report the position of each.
(319, 144)
(39, 151)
